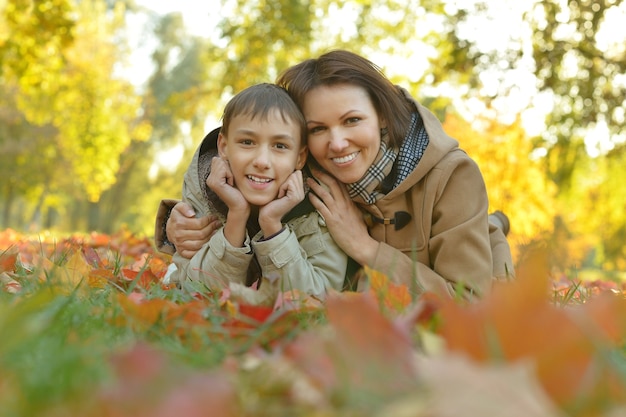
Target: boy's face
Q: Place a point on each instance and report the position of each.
(262, 154)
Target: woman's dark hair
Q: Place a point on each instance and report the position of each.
(258, 101)
(344, 67)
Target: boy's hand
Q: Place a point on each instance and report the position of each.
(291, 193)
(222, 182)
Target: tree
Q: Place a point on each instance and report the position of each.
(502, 153)
(574, 54)
(66, 81)
(33, 39)
(96, 113)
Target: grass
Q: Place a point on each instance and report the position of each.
(69, 349)
(56, 344)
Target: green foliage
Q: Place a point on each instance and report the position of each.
(261, 38)
(575, 60)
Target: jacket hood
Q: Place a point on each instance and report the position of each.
(198, 171)
(439, 145)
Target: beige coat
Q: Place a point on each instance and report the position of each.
(448, 245)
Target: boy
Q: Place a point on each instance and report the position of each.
(249, 174)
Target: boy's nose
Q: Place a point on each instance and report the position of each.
(262, 158)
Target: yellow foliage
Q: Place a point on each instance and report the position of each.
(515, 182)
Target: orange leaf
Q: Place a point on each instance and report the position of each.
(145, 277)
(517, 323)
(158, 267)
(37, 264)
(8, 259)
(395, 297)
(145, 312)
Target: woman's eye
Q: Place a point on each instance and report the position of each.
(281, 146)
(352, 120)
(316, 129)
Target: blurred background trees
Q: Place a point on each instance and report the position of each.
(534, 91)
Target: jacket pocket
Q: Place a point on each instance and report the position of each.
(309, 230)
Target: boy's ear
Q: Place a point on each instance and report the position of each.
(221, 145)
(302, 155)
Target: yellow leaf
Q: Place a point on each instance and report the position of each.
(75, 270)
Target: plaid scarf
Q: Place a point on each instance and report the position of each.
(368, 189)
(412, 149)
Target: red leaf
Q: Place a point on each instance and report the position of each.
(257, 313)
(92, 257)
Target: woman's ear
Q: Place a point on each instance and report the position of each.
(302, 155)
(222, 145)
(383, 127)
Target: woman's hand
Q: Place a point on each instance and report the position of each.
(291, 193)
(343, 218)
(187, 232)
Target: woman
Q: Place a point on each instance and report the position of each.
(382, 153)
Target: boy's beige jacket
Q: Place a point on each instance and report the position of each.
(302, 257)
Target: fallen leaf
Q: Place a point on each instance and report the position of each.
(147, 385)
(516, 322)
(456, 386)
(9, 284)
(363, 356)
(8, 259)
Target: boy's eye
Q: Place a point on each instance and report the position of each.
(282, 146)
(246, 141)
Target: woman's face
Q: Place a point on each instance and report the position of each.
(343, 130)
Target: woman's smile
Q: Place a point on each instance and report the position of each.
(345, 159)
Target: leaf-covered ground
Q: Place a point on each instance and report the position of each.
(87, 329)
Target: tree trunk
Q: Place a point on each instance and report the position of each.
(8, 205)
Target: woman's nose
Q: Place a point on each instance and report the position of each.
(338, 140)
